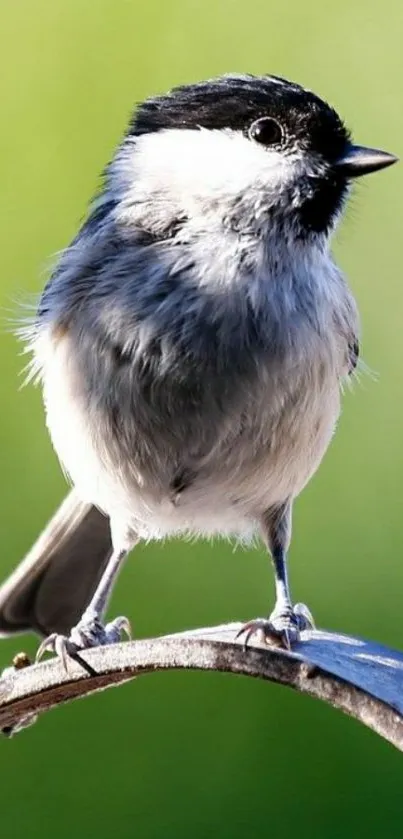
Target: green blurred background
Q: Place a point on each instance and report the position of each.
(190, 754)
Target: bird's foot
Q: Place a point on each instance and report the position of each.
(89, 632)
(282, 628)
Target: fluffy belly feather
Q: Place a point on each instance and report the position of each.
(260, 462)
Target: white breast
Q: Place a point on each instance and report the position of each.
(280, 447)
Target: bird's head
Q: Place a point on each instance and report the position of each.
(247, 152)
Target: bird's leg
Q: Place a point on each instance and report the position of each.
(90, 631)
(286, 621)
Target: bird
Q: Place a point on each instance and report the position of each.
(192, 343)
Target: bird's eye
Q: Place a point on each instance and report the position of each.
(266, 131)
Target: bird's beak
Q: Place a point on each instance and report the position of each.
(358, 160)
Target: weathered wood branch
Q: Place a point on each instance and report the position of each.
(359, 677)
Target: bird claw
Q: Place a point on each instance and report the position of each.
(58, 644)
(281, 629)
(89, 632)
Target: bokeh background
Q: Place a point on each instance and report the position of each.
(190, 754)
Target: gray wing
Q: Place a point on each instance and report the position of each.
(51, 587)
(353, 355)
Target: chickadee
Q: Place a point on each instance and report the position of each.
(191, 344)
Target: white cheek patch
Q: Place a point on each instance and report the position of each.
(189, 165)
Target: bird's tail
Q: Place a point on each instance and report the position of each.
(51, 587)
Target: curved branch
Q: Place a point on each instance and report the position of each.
(359, 677)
